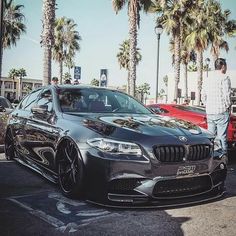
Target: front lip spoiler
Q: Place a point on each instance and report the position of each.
(142, 202)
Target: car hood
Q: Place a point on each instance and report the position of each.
(152, 125)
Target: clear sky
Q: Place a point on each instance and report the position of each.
(102, 31)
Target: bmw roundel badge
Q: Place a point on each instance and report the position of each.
(183, 139)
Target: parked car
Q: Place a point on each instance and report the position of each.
(5, 105)
(196, 115)
(5, 109)
(108, 147)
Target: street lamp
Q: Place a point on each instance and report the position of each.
(207, 60)
(158, 31)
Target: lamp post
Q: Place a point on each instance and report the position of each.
(158, 31)
(207, 60)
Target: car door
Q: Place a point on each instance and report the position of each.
(18, 120)
(41, 132)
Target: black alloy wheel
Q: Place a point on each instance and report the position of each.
(9, 146)
(70, 170)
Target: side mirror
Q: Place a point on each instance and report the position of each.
(2, 109)
(39, 109)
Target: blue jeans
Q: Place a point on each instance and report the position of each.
(218, 125)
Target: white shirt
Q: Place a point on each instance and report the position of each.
(216, 93)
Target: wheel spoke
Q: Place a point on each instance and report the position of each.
(69, 168)
(9, 147)
(74, 173)
(67, 154)
(9, 138)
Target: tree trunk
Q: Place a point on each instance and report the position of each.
(176, 62)
(199, 76)
(61, 70)
(128, 83)
(19, 88)
(47, 66)
(48, 37)
(133, 17)
(185, 81)
(1, 51)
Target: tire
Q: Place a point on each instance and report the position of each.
(70, 170)
(9, 146)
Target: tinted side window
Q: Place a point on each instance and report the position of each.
(30, 100)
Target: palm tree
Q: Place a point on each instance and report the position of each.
(47, 37)
(165, 80)
(13, 74)
(67, 77)
(12, 26)
(209, 24)
(222, 25)
(143, 90)
(66, 43)
(172, 16)
(94, 82)
(123, 57)
(134, 7)
(187, 55)
(21, 74)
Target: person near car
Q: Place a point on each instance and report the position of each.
(54, 81)
(216, 97)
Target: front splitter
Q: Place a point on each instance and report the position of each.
(149, 203)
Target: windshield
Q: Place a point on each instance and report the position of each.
(93, 100)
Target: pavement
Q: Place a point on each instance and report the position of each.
(30, 205)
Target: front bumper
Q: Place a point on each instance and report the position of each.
(148, 184)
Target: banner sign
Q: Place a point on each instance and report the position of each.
(77, 73)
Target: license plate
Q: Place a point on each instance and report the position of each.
(186, 170)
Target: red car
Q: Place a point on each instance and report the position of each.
(195, 115)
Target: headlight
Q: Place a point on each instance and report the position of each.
(116, 147)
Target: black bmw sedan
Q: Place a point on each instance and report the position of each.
(106, 146)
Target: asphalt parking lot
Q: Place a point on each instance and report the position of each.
(30, 205)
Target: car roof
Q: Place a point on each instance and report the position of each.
(74, 86)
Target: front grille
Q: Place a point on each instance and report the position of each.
(170, 153)
(182, 187)
(179, 153)
(199, 152)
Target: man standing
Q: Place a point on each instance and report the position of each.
(216, 96)
(54, 81)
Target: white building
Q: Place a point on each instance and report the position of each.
(10, 88)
